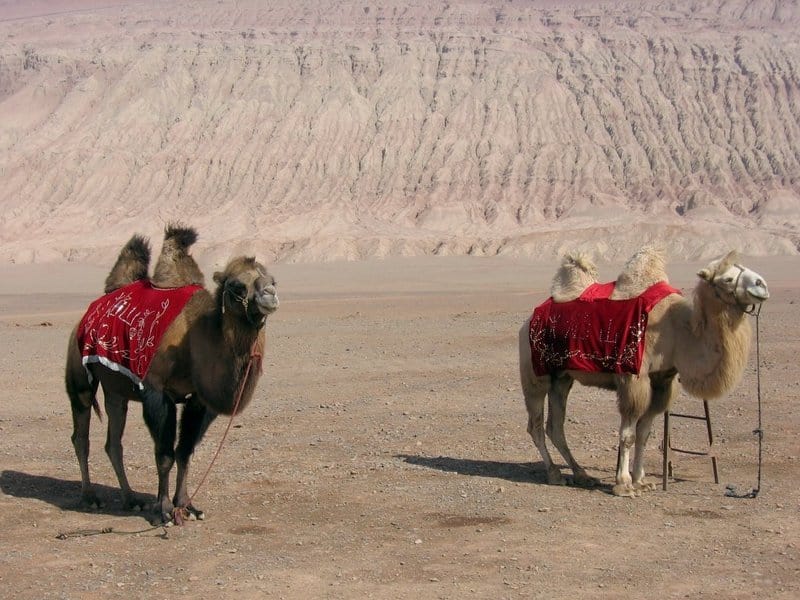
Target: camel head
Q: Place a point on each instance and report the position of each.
(734, 283)
(247, 289)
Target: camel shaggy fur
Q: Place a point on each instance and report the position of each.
(208, 359)
(576, 273)
(132, 264)
(703, 343)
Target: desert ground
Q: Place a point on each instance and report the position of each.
(385, 456)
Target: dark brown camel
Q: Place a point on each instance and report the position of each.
(201, 362)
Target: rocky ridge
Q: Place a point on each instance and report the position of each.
(305, 130)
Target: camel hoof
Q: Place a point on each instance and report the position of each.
(181, 514)
(90, 502)
(195, 514)
(644, 486)
(554, 476)
(135, 503)
(582, 479)
(624, 490)
(164, 512)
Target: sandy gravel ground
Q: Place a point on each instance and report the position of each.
(385, 456)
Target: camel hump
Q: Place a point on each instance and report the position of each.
(576, 273)
(645, 268)
(180, 236)
(132, 264)
(175, 267)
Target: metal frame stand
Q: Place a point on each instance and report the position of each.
(667, 446)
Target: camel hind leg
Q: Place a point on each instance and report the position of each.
(557, 409)
(534, 403)
(117, 411)
(534, 389)
(81, 403)
(82, 397)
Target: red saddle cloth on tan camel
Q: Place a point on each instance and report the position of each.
(123, 329)
(593, 333)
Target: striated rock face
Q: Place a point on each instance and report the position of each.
(316, 129)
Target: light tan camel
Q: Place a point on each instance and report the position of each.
(705, 343)
(209, 357)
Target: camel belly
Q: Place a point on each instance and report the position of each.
(606, 381)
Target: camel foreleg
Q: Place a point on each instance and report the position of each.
(643, 428)
(633, 401)
(160, 416)
(627, 438)
(195, 420)
(663, 390)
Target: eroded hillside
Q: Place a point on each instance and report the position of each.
(310, 130)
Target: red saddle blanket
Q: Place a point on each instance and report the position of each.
(123, 329)
(593, 332)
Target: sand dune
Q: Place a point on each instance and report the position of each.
(315, 130)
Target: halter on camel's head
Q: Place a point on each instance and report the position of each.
(246, 281)
(734, 284)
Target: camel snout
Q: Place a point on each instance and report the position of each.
(759, 291)
(267, 300)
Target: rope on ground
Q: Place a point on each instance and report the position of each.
(79, 533)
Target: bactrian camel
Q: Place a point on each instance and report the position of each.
(703, 344)
(208, 359)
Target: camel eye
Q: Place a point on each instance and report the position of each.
(728, 280)
(236, 287)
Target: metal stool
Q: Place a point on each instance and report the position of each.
(667, 444)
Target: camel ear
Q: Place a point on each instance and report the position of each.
(730, 259)
(219, 277)
(705, 274)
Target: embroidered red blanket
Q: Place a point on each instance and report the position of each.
(593, 332)
(123, 329)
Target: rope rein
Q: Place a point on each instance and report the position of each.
(181, 513)
(730, 489)
(753, 310)
(244, 301)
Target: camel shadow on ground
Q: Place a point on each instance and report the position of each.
(65, 494)
(515, 472)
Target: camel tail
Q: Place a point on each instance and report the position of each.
(96, 407)
(81, 391)
(132, 264)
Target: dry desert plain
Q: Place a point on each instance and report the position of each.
(385, 456)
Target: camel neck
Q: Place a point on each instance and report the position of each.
(713, 356)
